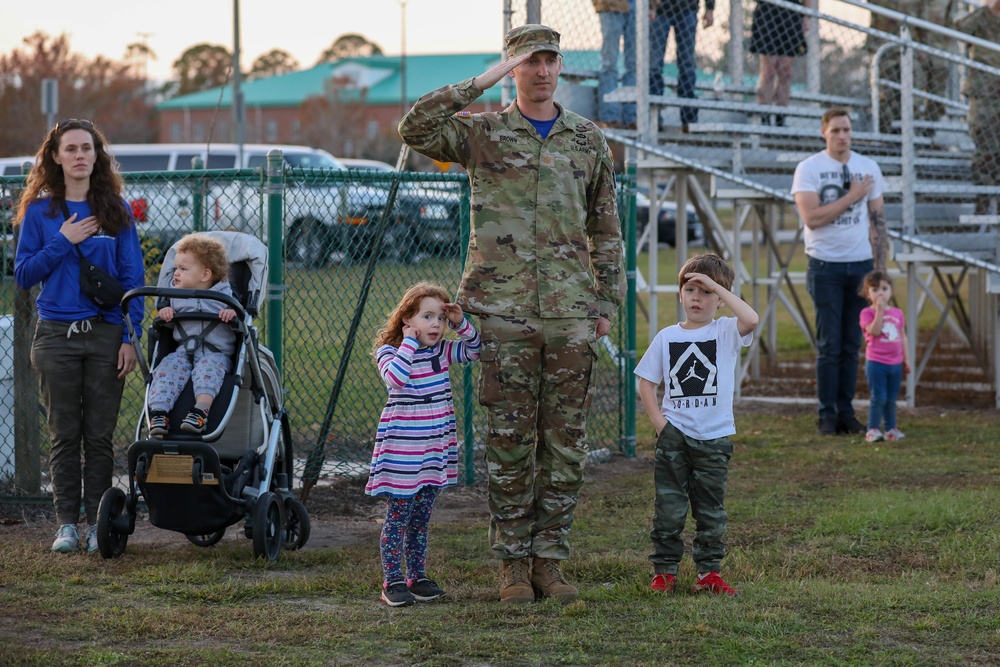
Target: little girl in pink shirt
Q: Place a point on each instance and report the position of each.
(887, 355)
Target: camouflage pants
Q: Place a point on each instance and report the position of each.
(984, 128)
(536, 384)
(686, 469)
(930, 74)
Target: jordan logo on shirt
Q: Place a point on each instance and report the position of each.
(693, 373)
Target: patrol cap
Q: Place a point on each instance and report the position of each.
(531, 38)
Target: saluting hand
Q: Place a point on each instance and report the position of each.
(454, 313)
(490, 77)
(76, 232)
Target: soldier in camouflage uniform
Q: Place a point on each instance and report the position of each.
(544, 274)
(983, 90)
(930, 74)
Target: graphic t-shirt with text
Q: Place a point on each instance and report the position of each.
(698, 368)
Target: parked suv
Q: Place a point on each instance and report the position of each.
(438, 205)
(327, 218)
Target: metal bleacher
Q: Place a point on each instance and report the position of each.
(731, 160)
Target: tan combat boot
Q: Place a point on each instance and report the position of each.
(515, 586)
(548, 580)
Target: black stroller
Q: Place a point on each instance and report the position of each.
(240, 468)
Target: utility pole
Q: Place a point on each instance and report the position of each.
(402, 60)
(237, 92)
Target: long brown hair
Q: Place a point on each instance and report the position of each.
(391, 332)
(106, 185)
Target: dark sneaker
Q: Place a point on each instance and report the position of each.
(424, 589)
(713, 583)
(397, 594)
(850, 425)
(159, 424)
(827, 426)
(195, 421)
(663, 582)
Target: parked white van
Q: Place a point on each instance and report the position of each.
(324, 220)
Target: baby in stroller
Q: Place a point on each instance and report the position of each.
(223, 453)
(204, 349)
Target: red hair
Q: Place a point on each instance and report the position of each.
(391, 332)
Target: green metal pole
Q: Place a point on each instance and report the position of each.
(628, 442)
(275, 192)
(198, 196)
(468, 407)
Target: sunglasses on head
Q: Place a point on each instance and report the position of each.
(75, 123)
(847, 178)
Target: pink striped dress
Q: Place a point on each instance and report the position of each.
(416, 444)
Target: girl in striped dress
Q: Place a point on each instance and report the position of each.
(416, 448)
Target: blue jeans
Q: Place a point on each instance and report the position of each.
(833, 287)
(614, 27)
(883, 384)
(684, 24)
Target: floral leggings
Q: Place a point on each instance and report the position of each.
(172, 373)
(405, 532)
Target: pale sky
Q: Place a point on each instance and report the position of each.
(304, 28)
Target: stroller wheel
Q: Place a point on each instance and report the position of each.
(267, 526)
(206, 540)
(297, 526)
(110, 540)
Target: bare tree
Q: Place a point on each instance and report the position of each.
(275, 61)
(350, 45)
(101, 90)
(201, 67)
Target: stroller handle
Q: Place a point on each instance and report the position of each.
(174, 292)
(177, 293)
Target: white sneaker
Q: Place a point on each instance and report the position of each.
(874, 435)
(92, 539)
(67, 539)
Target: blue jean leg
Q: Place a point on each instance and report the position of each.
(884, 381)
(833, 287)
(612, 29)
(685, 25)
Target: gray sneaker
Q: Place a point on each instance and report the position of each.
(67, 539)
(92, 539)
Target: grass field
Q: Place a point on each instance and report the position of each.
(845, 553)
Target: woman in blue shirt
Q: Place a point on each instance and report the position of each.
(81, 353)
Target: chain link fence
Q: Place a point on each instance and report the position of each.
(353, 242)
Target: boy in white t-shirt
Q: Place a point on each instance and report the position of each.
(697, 358)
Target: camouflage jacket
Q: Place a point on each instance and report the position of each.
(938, 12)
(545, 239)
(981, 23)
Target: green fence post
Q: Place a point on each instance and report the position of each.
(275, 192)
(27, 429)
(468, 430)
(198, 196)
(628, 440)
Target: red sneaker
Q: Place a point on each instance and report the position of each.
(663, 582)
(713, 583)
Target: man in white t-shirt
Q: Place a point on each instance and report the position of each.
(838, 194)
